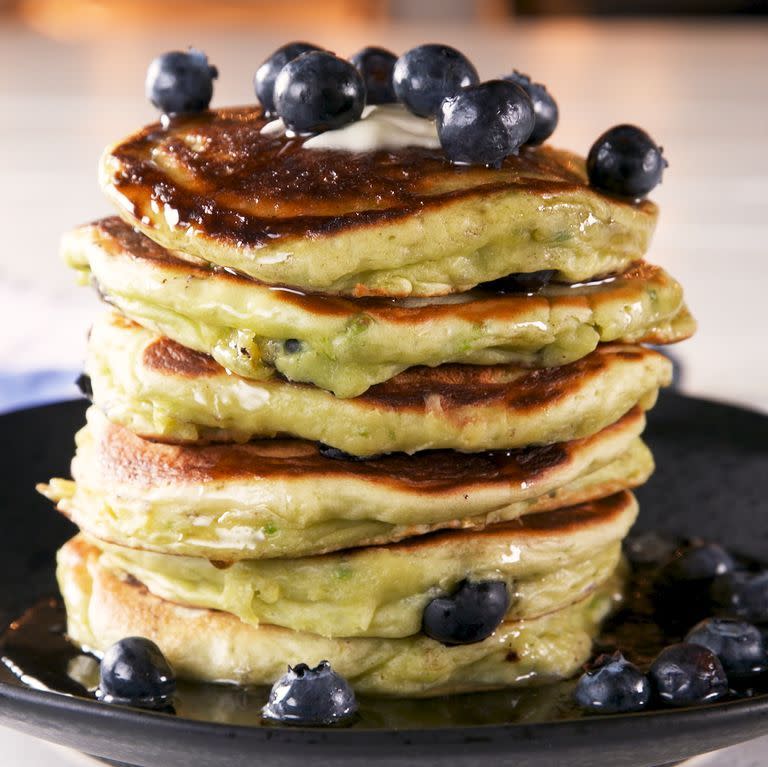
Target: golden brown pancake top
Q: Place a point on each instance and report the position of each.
(456, 386)
(122, 457)
(227, 179)
(560, 522)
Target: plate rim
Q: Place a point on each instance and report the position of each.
(729, 720)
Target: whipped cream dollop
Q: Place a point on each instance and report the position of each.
(383, 126)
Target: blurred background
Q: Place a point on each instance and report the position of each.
(690, 72)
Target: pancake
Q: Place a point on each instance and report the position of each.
(282, 498)
(161, 390)
(104, 606)
(547, 561)
(395, 223)
(347, 345)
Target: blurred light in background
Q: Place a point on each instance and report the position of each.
(78, 19)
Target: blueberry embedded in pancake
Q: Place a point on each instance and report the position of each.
(163, 391)
(284, 498)
(104, 605)
(347, 345)
(542, 562)
(399, 223)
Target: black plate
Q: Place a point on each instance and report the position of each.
(712, 481)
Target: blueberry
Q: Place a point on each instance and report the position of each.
(266, 74)
(338, 455)
(648, 548)
(544, 107)
(181, 81)
(311, 696)
(134, 672)
(471, 614)
(483, 124)
(739, 645)
(682, 586)
(613, 685)
(425, 75)
(292, 346)
(625, 161)
(522, 282)
(742, 594)
(376, 66)
(83, 382)
(685, 674)
(317, 92)
(698, 561)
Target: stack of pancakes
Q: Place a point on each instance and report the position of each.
(320, 402)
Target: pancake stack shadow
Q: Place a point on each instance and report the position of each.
(338, 400)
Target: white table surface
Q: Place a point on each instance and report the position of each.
(699, 89)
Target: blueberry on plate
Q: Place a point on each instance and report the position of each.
(180, 81)
(266, 74)
(613, 685)
(318, 91)
(485, 123)
(519, 283)
(698, 561)
(134, 672)
(376, 66)
(544, 107)
(687, 674)
(311, 696)
(425, 75)
(626, 162)
(648, 549)
(739, 645)
(471, 614)
(743, 594)
(682, 586)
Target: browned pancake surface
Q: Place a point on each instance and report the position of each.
(456, 386)
(125, 458)
(251, 189)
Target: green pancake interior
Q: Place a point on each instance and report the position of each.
(401, 222)
(163, 391)
(285, 499)
(105, 605)
(547, 561)
(348, 345)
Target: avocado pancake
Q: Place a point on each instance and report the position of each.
(284, 498)
(396, 223)
(547, 561)
(162, 390)
(105, 605)
(347, 345)
(369, 392)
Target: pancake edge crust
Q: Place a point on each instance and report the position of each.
(205, 645)
(298, 511)
(547, 561)
(388, 223)
(347, 345)
(163, 391)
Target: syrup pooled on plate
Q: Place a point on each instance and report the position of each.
(34, 651)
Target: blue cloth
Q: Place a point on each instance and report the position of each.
(39, 387)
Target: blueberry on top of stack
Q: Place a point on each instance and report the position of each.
(364, 339)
